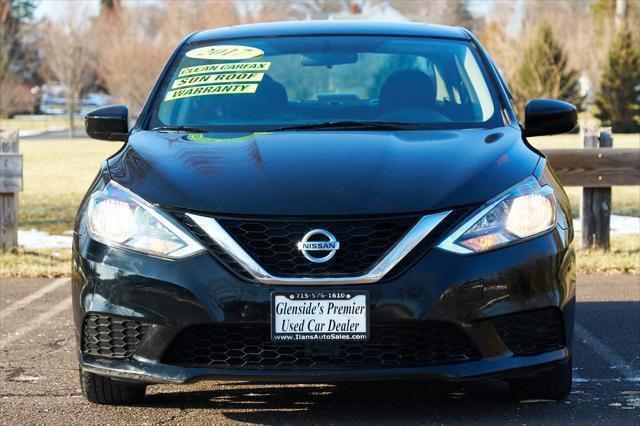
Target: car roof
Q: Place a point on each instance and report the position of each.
(313, 28)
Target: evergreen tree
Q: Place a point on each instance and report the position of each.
(13, 15)
(617, 102)
(544, 72)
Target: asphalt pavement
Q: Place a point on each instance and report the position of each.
(39, 378)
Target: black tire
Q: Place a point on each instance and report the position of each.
(551, 384)
(104, 390)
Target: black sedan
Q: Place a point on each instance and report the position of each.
(320, 202)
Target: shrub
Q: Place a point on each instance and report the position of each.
(544, 72)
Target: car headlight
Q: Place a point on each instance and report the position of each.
(118, 217)
(523, 211)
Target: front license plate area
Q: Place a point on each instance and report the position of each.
(319, 316)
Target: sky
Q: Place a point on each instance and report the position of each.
(53, 8)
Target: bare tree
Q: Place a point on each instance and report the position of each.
(500, 46)
(133, 42)
(69, 58)
(15, 96)
(446, 12)
(129, 57)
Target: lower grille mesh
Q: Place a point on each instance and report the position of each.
(531, 333)
(249, 346)
(112, 337)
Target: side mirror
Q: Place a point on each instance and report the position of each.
(109, 123)
(549, 117)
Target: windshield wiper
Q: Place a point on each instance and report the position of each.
(342, 125)
(180, 129)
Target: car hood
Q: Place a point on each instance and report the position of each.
(323, 172)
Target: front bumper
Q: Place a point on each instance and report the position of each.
(466, 291)
(146, 371)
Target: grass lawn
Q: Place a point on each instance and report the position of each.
(38, 122)
(567, 141)
(41, 263)
(57, 173)
(624, 256)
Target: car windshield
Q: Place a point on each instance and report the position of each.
(268, 84)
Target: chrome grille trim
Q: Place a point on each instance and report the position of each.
(220, 236)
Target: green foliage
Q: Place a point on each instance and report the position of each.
(617, 101)
(544, 72)
(603, 9)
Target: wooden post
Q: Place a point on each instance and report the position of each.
(10, 185)
(595, 208)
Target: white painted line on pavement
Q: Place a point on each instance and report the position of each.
(612, 358)
(33, 296)
(36, 322)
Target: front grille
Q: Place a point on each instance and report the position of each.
(362, 243)
(532, 332)
(249, 346)
(273, 243)
(112, 337)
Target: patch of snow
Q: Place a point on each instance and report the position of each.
(34, 239)
(620, 225)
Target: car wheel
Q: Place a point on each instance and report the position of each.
(104, 390)
(551, 384)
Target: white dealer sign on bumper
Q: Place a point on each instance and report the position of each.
(305, 316)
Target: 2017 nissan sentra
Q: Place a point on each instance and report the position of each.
(325, 201)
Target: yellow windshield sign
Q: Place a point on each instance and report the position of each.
(217, 78)
(225, 52)
(216, 89)
(238, 66)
